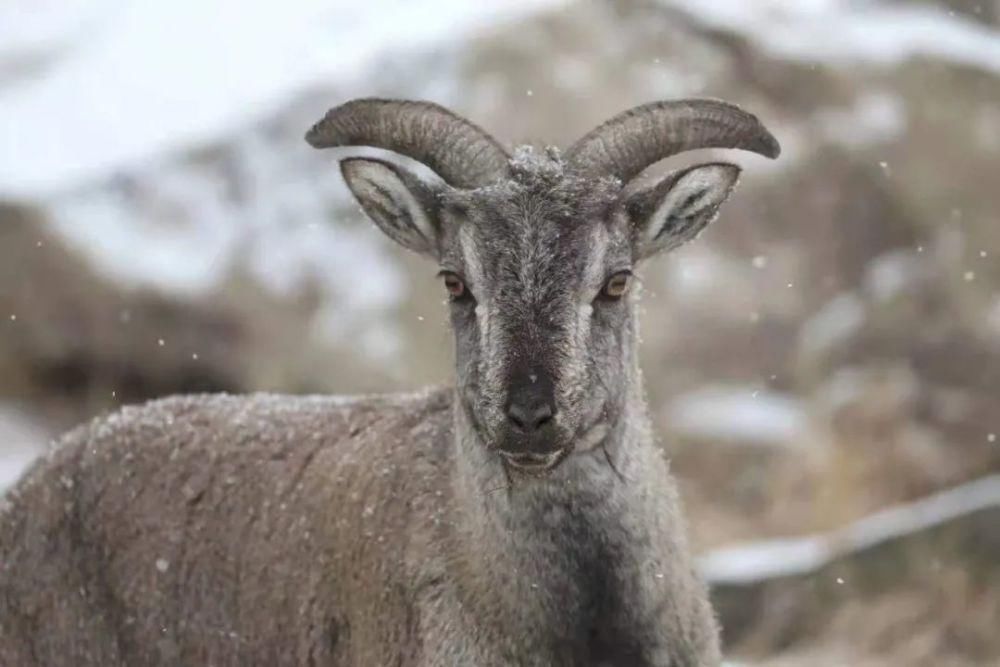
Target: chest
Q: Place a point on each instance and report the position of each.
(570, 573)
(569, 635)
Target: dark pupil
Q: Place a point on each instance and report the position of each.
(454, 285)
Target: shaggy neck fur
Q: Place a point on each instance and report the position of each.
(552, 546)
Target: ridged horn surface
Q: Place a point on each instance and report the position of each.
(634, 139)
(460, 152)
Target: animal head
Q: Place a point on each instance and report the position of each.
(537, 250)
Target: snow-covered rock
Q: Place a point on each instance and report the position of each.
(744, 577)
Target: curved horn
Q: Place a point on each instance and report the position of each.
(463, 154)
(635, 139)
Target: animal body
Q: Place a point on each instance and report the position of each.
(522, 517)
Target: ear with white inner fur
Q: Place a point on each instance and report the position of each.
(402, 205)
(675, 209)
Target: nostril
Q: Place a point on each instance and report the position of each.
(529, 419)
(543, 416)
(519, 416)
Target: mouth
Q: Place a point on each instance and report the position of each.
(533, 463)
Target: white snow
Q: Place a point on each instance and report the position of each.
(13, 463)
(833, 326)
(768, 559)
(21, 441)
(30, 31)
(184, 245)
(736, 414)
(179, 231)
(844, 32)
(101, 103)
(121, 82)
(893, 274)
(874, 117)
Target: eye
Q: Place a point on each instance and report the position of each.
(616, 286)
(455, 285)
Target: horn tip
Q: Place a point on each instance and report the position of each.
(768, 146)
(315, 135)
(312, 137)
(318, 135)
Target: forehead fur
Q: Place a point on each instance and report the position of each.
(542, 197)
(541, 177)
(536, 232)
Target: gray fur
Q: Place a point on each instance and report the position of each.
(395, 530)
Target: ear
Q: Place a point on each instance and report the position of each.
(403, 206)
(678, 207)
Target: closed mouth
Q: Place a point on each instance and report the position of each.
(531, 462)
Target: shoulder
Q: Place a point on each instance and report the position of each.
(263, 414)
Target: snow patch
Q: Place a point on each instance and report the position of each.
(156, 77)
(21, 441)
(768, 559)
(844, 32)
(838, 322)
(738, 415)
(892, 275)
(875, 117)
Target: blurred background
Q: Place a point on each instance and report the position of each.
(823, 364)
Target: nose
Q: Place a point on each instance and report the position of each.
(530, 405)
(529, 418)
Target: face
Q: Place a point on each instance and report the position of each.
(538, 273)
(539, 278)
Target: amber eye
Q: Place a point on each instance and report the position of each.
(454, 285)
(617, 285)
